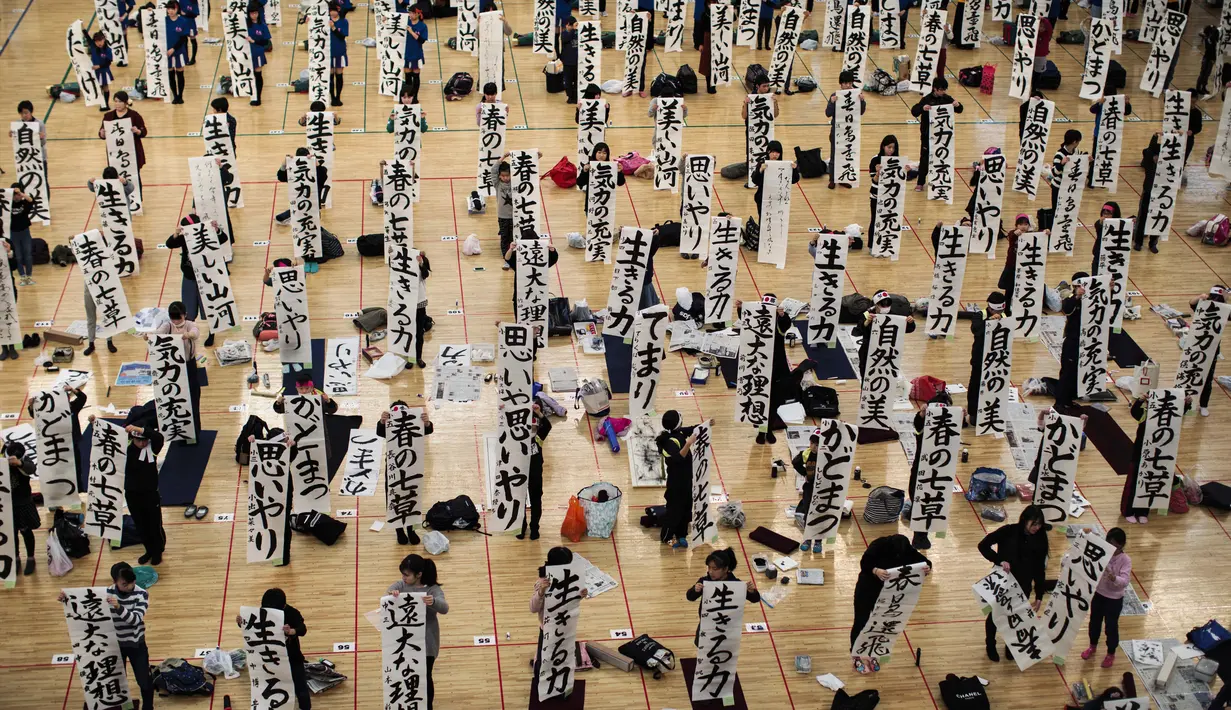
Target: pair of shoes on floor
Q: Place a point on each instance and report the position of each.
(198, 512)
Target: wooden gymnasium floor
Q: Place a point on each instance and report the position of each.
(204, 578)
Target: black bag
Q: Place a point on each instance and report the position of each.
(1047, 217)
(1049, 79)
(654, 516)
(821, 402)
(805, 84)
(609, 39)
(668, 233)
(649, 654)
(963, 693)
(863, 700)
(559, 317)
(810, 163)
(752, 235)
(460, 84)
(1117, 78)
(665, 84)
(971, 76)
(755, 74)
(267, 321)
(62, 256)
(322, 527)
(1216, 495)
(457, 514)
(128, 533)
(555, 82)
(371, 244)
(255, 426)
(41, 254)
(687, 79)
(73, 539)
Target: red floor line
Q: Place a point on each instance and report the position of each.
(629, 611)
(1219, 522)
(355, 682)
(491, 589)
(1105, 528)
(1067, 687)
(820, 224)
(273, 206)
(226, 582)
(909, 645)
(93, 582)
(167, 269)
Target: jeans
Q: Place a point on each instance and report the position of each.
(1105, 610)
(191, 296)
(23, 252)
(536, 494)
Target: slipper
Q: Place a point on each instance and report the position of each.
(190, 511)
(202, 512)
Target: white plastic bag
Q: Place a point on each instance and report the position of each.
(435, 542)
(471, 247)
(218, 662)
(58, 562)
(613, 86)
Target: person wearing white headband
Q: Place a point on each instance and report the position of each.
(1217, 293)
(881, 305)
(995, 310)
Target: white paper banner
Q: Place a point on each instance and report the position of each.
(391, 43)
(721, 41)
(531, 284)
(627, 278)
(491, 51)
(1168, 174)
(172, 394)
(890, 24)
(294, 329)
(1021, 630)
(467, 34)
(543, 40)
(722, 622)
(828, 283)
(403, 644)
(154, 34)
(210, 198)
(318, 135)
(1028, 285)
(989, 201)
(1081, 568)
(403, 301)
(269, 502)
(649, 351)
(835, 20)
(1059, 448)
(514, 367)
(703, 529)
(600, 210)
(695, 204)
(218, 144)
(1095, 326)
(83, 66)
(759, 130)
(592, 115)
(748, 18)
(834, 458)
(8, 531)
(305, 425)
(108, 454)
(775, 212)
(527, 194)
(1204, 337)
(1220, 161)
(493, 120)
(269, 666)
(941, 153)
(213, 278)
(57, 453)
(890, 207)
(1162, 53)
(847, 110)
(319, 57)
(892, 612)
(927, 52)
(995, 380)
(675, 25)
(341, 367)
(634, 57)
(30, 161)
(117, 228)
(1098, 59)
(1027, 29)
(1106, 170)
(858, 35)
(561, 611)
(364, 459)
(10, 321)
(109, 19)
(938, 455)
(971, 30)
(1177, 106)
(96, 648)
(102, 281)
(407, 142)
(881, 373)
(1068, 205)
(305, 206)
(721, 270)
(1113, 263)
(404, 466)
(668, 142)
(399, 211)
(121, 155)
(790, 21)
(755, 363)
(239, 54)
(1161, 445)
(947, 275)
(1031, 153)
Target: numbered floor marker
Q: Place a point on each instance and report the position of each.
(485, 640)
(621, 633)
(348, 513)
(224, 517)
(61, 659)
(344, 647)
(756, 627)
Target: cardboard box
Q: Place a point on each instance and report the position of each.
(59, 335)
(372, 354)
(609, 656)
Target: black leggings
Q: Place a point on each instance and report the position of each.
(420, 320)
(764, 34)
(28, 537)
(1105, 610)
(535, 485)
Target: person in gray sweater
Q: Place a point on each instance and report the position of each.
(419, 576)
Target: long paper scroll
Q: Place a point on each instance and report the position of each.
(269, 665)
(1081, 568)
(210, 197)
(1177, 107)
(1159, 449)
(364, 459)
(341, 368)
(154, 32)
(1027, 29)
(675, 25)
(1059, 448)
(527, 195)
(305, 206)
(828, 282)
(1113, 263)
(1031, 154)
(10, 321)
(121, 155)
(989, 206)
(592, 115)
(748, 19)
(213, 279)
(759, 129)
(1095, 327)
(600, 210)
(834, 458)
(703, 526)
(57, 453)
(515, 370)
(1022, 631)
(627, 278)
(218, 144)
(775, 212)
(927, 52)
(96, 648)
(403, 645)
(634, 53)
(83, 67)
(971, 30)
(1098, 59)
(102, 281)
(624, 17)
(835, 20)
(790, 20)
(756, 364)
(696, 199)
(117, 228)
(467, 34)
(561, 611)
(668, 142)
(721, 270)
(491, 51)
(391, 43)
(108, 455)
(110, 23)
(319, 53)
(239, 54)
(721, 41)
(846, 166)
(305, 425)
(1168, 175)
(269, 502)
(1162, 54)
(318, 135)
(893, 609)
(172, 395)
(1068, 204)
(1105, 173)
(407, 142)
(722, 620)
(941, 153)
(1220, 161)
(649, 351)
(996, 365)
(543, 37)
(589, 67)
(399, 211)
(404, 466)
(1204, 338)
(493, 120)
(858, 36)
(890, 208)
(1028, 285)
(403, 302)
(531, 285)
(938, 455)
(294, 330)
(881, 373)
(947, 275)
(8, 530)
(30, 161)
(890, 24)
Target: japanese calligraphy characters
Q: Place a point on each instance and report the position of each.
(856, 43)
(543, 38)
(269, 502)
(1027, 28)
(491, 51)
(1095, 324)
(96, 647)
(1028, 284)
(1058, 451)
(1072, 187)
(941, 153)
(592, 115)
(995, 379)
(722, 622)
(721, 40)
(305, 425)
(531, 284)
(239, 54)
(846, 137)
(775, 212)
(938, 454)
(947, 275)
(1113, 263)
(1106, 170)
(218, 144)
(1015, 620)
(404, 465)
(890, 207)
(121, 155)
(364, 458)
(269, 665)
(760, 131)
(294, 330)
(790, 22)
(927, 53)
(117, 226)
(697, 196)
(835, 19)
(102, 283)
(108, 455)
(172, 397)
(305, 205)
(600, 210)
(10, 322)
(588, 8)
(8, 530)
(828, 281)
(1220, 161)
(748, 16)
(403, 644)
(634, 56)
(1098, 59)
(675, 25)
(57, 455)
(83, 67)
(1140, 703)
(720, 272)
(1153, 16)
(1164, 411)
(273, 13)
(971, 31)
(703, 526)
(493, 120)
(881, 373)
(319, 57)
(1081, 568)
(892, 612)
(1204, 337)
(210, 198)
(834, 457)
(154, 32)
(561, 610)
(989, 201)
(341, 367)
(403, 302)
(1176, 107)
(30, 159)
(1162, 53)
(515, 370)
(319, 140)
(756, 345)
(527, 197)
(1030, 155)
(391, 42)
(110, 24)
(649, 351)
(627, 278)
(624, 17)
(213, 279)
(668, 142)
(890, 25)
(1167, 178)
(399, 212)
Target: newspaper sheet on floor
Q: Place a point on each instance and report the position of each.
(645, 464)
(1183, 691)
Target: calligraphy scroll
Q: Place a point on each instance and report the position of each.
(515, 370)
(1114, 11)
(210, 198)
(108, 456)
(30, 159)
(790, 20)
(96, 648)
(1098, 58)
(721, 269)
(927, 53)
(110, 23)
(10, 321)
(561, 611)
(531, 285)
(1021, 630)
(589, 73)
(1167, 178)
(1162, 53)
(1030, 155)
(403, 301)
(1081, 569)
(756, 345)
(467, 35)
(491, 51)
(675, 25)
(627, 278)
(1177, 106)
(834, 457)
(213, 279)
(749, 17)
(600, 210)
(668, 142)
(722, 620)
(890, 25)
(57, 454)
(83, 66)
(404, 465)
(8, 530)
(403, 644)
(695, 210)
(721, 40)
(341, 367)
(218, 144)
(1027, 29)
(399, 209)
(1224, 31)
(759, 129)
(305, 426)
(592, 117)
(117, 229)
(1113, 263)
(1068, 204)
(391, 40)
(319, 140)
(1160, 446)
(941, 153)
(172, 394)
(305, 206)
(890, 208)
(1028, 285)
(493, 120)
(1220, 161)
(857, 40)
(154, 32)
(971, 31)
(273, 13)
(291, 306)
(588, 8)
(1200, 352)
(364, 458)
(1059, 448)
(1106, 169)
(527, 195)
(649, 351)
(938, 454)
(269, 665)
(947, 275)
(239, 54)
(102, 281)
(775, 212)
(634, 52)
(1153, 16)
(319, 57)
(625, 9)
(828, 282)
(996, 365)
(1095, 323)
(881, 372)
(543, 38)
(703, 528)
(835, 20)
(846, 123)
(894, 606)
(989, 201)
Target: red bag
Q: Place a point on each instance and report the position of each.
(1179, 502)
(924, 387)
(564, 174)
(574, 521)
(989, 79)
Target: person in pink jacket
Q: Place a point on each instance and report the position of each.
(1109, 599)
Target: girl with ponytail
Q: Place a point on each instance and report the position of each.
(720, 567)
(419, 576)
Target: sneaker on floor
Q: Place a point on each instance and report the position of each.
(918, 188)
(283, 221)
(1153, 248)
(89, 350)
(1108, 660)
(504, 266)
(769, 436)
(111, 348)
(805, 546)
(1085, 655)
(1205, 411)
(679, 544)
(1131, 519)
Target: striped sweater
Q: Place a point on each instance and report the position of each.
(129, 618)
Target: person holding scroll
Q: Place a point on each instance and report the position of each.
(719, 567)
(1021, 550)
(141, 487)
(119, 110)
(675, 444)
(846, 81)
(1066, 388)
(773, 151)
(322, 177)
(258, 40)
(884, 554)
(923, 111)
(100, 61)
(304, 387)
(1110, 210)
(407, 535)
(996, 304)
(295, 628)
(703, 41)
(881, 305)
(1140, 410)
(179, 324)
(1108, 599)
(542, 428)
(1072, 140)
(568, 55)
(26, 520)
(919, 539)
(804, 464)
(76, 402)
(190, 294)
(1218, 294)
(601, 153)
(419, 577)
(19, 239)
(889, 149)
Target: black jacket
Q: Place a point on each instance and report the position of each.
(758, 178)
(292, 618)
(883, 555)
(141, 477)
(176, 241)
(1072, 328)
(1026, 554)
(925, 117)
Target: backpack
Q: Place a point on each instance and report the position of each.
(1072, 37)
(924, 387)
(559, 317)
(457, 514)
(821, 402)
(734, 171)
(267, 321)
(752, 235)
(372, 319)
(963, 693)
(629, 162)
(320, 525)
(668, 233)
(39, 251)
(175, 676)
(62, 256)
(255, 426)
(755, 74)
(1215, 231)
(563, 173)
(885, 504)
(1049, 78)
(804, 84)
(300, 86)
(595, 395)
(655, 516)
(73, 539)
(664, 85)
(882, 83)
(987, 484)
(609, 40)
(810, 162)
(687, 79)
(459, 85)
(1208, 636)
(972, 77)
(376, 193)
(1216, 495)
(370, 244)
(649, 654)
